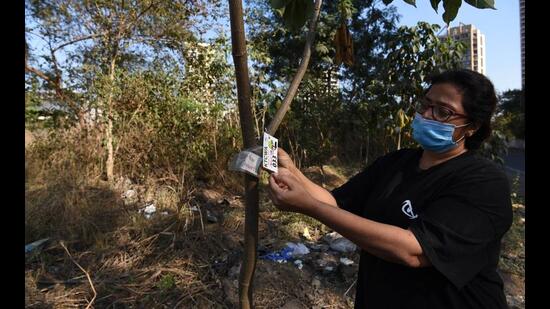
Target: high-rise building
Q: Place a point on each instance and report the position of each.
(522, 30)
(330, 79)
(474, 55)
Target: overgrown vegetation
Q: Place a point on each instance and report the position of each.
(140, 97)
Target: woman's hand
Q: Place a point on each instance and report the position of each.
(285, 161)
(288, 193)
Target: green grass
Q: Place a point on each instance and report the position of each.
(167, 282)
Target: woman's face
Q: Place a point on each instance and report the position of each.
(449, 97)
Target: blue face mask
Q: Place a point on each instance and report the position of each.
(434, 135)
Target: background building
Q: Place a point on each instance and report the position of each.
(522, 31)
(330, 79)
(474, 57)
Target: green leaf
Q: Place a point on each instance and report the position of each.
(482, 4)
(386, 2)
(281, 11)
(435, 4)
(326, 59)
(279, 4)
(451, 9)
(411, 2)
(321, 49)
(296, 13)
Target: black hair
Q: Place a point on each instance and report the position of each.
(478, 99)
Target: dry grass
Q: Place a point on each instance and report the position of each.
(174, 261)
(179, 260)
(72, 212)
(153, 268)
(170, 261)
(131, 261)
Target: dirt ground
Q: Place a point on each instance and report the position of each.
(191, 259)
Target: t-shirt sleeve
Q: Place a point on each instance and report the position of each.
(457, 229)
(352, 195)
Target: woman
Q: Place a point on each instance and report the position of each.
(429, 221)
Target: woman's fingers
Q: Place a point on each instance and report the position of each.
(284, 177)
(284, 158)
(274, 184)
(282, 153)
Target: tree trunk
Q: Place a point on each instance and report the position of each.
(251, 195)
(109, 133)
(399, 140)
(238, 43)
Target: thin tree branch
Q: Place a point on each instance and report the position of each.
(293, 89)
(85, 272)
(146, 9)
(39, 73)
(79, 39)
(57, 87)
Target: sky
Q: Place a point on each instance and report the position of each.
(501, 28)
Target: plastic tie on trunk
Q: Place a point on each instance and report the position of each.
(248, 161)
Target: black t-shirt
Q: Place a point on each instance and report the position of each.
(458, 210)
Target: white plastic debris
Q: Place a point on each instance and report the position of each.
(298, 249)
(151, 209)
(329, 237)
(33, 245)
(130, 197)
(343, 245)
(129, 194)
(194, 208)
(148, 211)
(338, 243)
(299, 264)
(346, 261)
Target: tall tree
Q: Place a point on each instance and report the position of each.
(240, 58)
(511, 113)
(97, 37)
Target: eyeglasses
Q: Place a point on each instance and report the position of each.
(439, 112)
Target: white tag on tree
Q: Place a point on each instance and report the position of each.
(270, 159)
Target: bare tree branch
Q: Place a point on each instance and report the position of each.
(79, 39)
(39, 73)
(59, 91)
(293, 89)
(85, 272)
(146, 9)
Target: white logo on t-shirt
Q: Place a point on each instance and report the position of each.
(408, 210)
